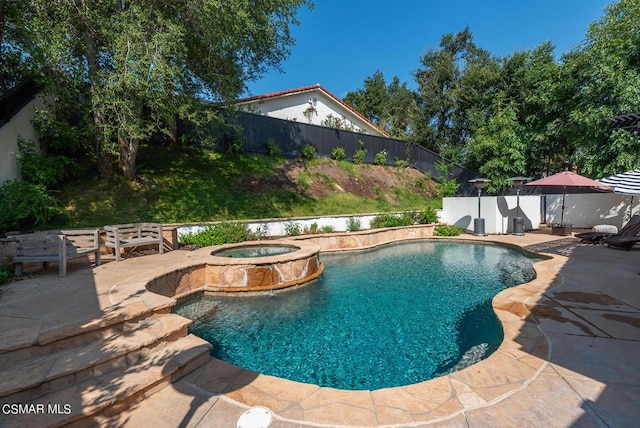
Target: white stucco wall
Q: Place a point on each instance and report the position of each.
(292, 107)
(498, 212)
(583, 210)
(20, 126)
(588, 209)
(277, 227)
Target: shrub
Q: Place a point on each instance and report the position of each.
(380, 158)
(447, 230)
(401, 163)
(293, 229)
(308, 152)
(6, 273)
(338, 153)
(327, 228)
(274, 148)
(391, 220)
(358, 156)
(312, 229)
(25, 206)
(42, 169)
(353, 224)
(428, 216)
(218, 234)
(447, 185)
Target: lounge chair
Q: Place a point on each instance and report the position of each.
(620, 241)
(632, 228)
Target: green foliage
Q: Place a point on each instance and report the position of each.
(428, 216)
(391, 220)
(401, 163)
(274, 148)
(42, 169)
(312, 229)
(6, 273)
(293, 229)
(380, 158)
(447, 230)
(338, 153)
(361, 152)
(327, 228)
(353, 224)
(25, 206)
(388, 106)
(308, 152)
(447, 186)
(139, 65)
(218, 234)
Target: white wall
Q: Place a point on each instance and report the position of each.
(498, 212)
(277, 227)
(20, 126)
(588, 209)
(583, 210)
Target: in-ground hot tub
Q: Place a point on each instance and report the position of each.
(259, 265)
(254, 251)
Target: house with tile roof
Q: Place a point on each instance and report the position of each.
(313, 105)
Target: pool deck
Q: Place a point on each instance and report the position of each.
(570, 356)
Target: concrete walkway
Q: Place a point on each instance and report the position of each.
(570, 355)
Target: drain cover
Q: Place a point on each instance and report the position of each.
(255, 417)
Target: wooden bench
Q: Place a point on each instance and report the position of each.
(55, 246)
(133, 235)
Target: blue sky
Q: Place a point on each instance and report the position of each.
(342, 42)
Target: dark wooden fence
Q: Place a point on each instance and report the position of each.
(255, 132)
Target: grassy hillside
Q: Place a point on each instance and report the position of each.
(179, 185)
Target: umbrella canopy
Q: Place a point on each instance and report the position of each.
(566, 179)
(627, 183)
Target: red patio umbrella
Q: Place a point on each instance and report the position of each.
(566, 179)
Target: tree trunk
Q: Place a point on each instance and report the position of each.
(128, 151)
(103, 154)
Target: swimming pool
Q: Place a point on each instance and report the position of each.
(393, 316)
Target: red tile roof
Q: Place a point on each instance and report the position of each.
(308, 89)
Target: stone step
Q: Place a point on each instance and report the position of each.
(44, 373)
(97, 398)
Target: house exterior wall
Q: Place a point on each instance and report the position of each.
(292, 107)
(19, 126)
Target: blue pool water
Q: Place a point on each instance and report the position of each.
(392, 316)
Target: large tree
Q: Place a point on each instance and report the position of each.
(605, 71)
(139, 65)
(388, 106)
(453, 83)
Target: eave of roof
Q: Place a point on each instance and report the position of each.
(309, 89)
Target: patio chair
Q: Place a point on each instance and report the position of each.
(632, 228)
(621, 241)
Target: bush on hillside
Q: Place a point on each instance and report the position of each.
(391, 220)
(26, 206)
(218, 234)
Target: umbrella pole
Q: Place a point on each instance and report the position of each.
(564, 193)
